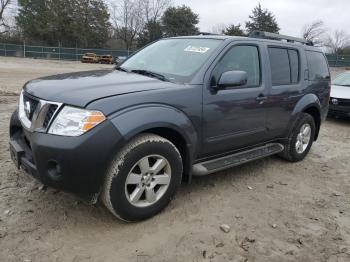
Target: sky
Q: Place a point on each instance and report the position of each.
(291, 15)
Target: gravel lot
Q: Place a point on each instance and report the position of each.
(276, 211)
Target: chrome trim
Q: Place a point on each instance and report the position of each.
(38, 116)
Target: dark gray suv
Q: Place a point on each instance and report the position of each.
(179, 107)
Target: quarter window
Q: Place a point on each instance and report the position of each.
(318, 68)
(240, 58)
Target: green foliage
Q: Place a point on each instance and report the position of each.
(82, 23)
(151, 32)
(234, 30)
(262, 20)
(180, 21)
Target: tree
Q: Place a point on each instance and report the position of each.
(153, 11)
(128, 20)
(180, 21)
(234, 30)
(314, 32)
(262, 20)
(82, 23)
(4, 4)
(337, 41)
(152, 31)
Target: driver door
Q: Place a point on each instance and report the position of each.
(235, 117)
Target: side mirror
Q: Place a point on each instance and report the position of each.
(232, 79)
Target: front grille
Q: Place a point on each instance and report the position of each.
(30, 104)
(50, 112)
(344, 102)
(36, 114)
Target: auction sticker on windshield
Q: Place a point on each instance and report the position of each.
(197, 49)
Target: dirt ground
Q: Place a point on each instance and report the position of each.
(277, 211)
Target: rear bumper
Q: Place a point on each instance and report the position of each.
(76, 164)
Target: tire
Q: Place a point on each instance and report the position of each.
(292, 152)
(127, 177)
(15, 123)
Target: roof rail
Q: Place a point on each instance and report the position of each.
(206, 33)
(272, 36)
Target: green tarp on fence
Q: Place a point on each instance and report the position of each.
(58, 53)
(63, 53)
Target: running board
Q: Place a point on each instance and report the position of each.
(211, 166)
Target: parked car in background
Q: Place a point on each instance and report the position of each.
(339, 104)
(106, 59)
(179, 107)
(119, 59)
(90, 58)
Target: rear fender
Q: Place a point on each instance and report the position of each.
(307, 101)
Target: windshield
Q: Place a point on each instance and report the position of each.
(176, 59)
(342, 80)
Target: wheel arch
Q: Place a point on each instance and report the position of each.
(164, 121)
(311, 105)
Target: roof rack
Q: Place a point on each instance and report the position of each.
(272, 36)
(206, 33)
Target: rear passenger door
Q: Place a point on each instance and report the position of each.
(286, 87)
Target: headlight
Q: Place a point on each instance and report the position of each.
(72, 121)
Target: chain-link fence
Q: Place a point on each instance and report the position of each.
(64, 53)
(338, 60)
(58, 53)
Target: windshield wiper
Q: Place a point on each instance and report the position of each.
(121, 69)
(150, 74)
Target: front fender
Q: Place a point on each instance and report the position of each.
(137, 119)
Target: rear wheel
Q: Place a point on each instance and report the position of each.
(300, 140)
(143, 178)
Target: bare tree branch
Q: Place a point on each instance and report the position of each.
(337, 41)
(154, 9)
(127, 20)
(3, 25)
(314, 32)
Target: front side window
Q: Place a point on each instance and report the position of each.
(318, 67)
(240, 58)
(178, 59)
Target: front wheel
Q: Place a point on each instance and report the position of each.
(300, 140)
(142, 178)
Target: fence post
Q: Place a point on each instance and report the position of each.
(5, 50)
(336, 60)
(24, 48)
(59, 50)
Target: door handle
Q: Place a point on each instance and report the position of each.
(261, 98)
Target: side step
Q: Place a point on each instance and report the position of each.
(211, 166)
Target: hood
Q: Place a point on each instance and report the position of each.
(340, 92)
(81, 88)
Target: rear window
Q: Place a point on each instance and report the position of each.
(284, 66)
(318, 67)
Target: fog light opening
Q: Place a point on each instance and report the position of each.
(54, 170)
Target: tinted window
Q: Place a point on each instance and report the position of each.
(294, 65)
(280, 68)
(318, 68)
(240, 58)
